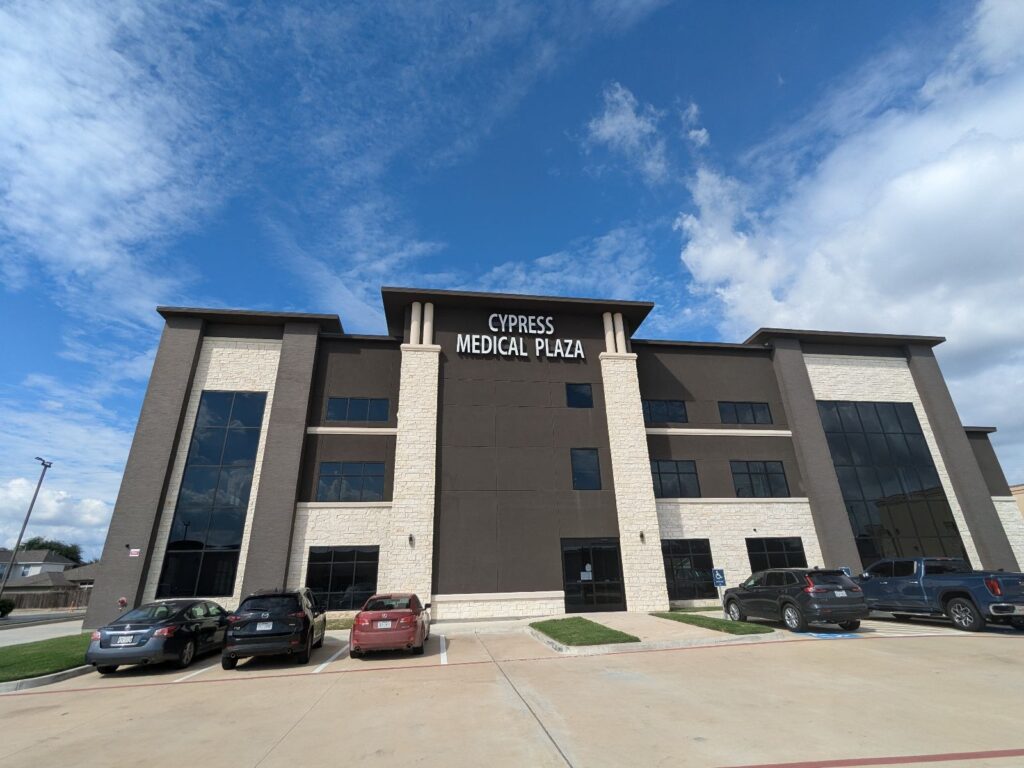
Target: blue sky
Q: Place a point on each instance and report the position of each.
(852, 166)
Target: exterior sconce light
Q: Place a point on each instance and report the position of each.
(412, 540)
(642, 537)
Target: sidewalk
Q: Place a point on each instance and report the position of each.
(16, 635)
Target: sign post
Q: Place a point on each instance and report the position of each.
(718, 576)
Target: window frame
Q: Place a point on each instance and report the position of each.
(363, 495)
(689, 589)
(370, 403)
(588, 399)
(579, 473)
(649, 406)
(784, 555)
(347, 599)
(659, 472)
(764, 478)
(753, 406)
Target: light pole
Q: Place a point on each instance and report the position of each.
(14, 555)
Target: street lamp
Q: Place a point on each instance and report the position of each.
(14, 555)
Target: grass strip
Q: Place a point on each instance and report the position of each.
(580, 631)
(719, 625)
(18, 662)
(340, 623)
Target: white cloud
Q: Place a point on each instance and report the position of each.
(900, 211)
(694, 132)
(631, 130)
(56, 515)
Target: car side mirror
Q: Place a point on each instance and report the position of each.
(427, 606)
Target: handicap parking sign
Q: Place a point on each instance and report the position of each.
(718, 575)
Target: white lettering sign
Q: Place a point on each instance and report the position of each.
(508, 338)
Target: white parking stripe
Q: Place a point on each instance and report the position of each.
(444, 650)
(336, 655)
(190, 675)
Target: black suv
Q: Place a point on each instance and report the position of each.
(274, 623)
(798, 596)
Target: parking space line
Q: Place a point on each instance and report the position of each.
(444, 649)
(190, 675)
(855, 762)
(340, 651)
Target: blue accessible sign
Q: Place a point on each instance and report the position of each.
(718, 575)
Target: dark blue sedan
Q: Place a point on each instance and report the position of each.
(173, 631)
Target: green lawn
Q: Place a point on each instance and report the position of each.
(719, 625)
(42, 657)
(339, 623)
(705, 609)
(580, 631)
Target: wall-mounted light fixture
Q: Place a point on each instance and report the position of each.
(412, 540)
(642, 537)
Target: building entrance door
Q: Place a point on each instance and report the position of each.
(592, 573)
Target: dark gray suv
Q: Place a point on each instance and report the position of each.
(798, 596)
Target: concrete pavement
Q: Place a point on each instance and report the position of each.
(505, 699)
(17, 635)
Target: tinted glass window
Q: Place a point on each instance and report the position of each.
(688, 569)
(744, 413)
(881, 570)
(759, 479)
(903, 568)
(579, 396)
(894, 500)
(361, 409)
(386, 603)
(275, 604)
(837, 579)
(586, 469)
(664, 411)
(151, 612)
(755, 580)
(209, 517)
(674, 479)
(935, 567)
(350, 481)
(775, 579)
(342, 578)
(776, 552)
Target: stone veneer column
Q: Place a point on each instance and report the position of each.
(144, 485)
(410, 564)
(274, 512)
(980, 515)
(643, 568)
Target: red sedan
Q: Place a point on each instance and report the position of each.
(394, 622)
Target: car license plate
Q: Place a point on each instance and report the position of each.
(840, 593)
(264, 626)
(383, 625)
(124, 639)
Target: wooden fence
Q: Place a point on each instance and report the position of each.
(64, 598)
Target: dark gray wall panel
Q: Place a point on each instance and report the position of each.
(346, 448)
(274, 511)
(355, 368)
(969, 483)
(987, 460)
(831, 521)
(144, 485)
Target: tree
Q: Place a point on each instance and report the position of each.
(70, 551)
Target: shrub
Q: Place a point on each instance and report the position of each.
(6, 606)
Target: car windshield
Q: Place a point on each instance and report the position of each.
(933, 567)
(836, 578)
(386, 603)
(151, 612)
(270, 604)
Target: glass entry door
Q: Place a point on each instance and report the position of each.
(592, 573)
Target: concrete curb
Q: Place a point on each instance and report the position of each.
(661, 645)
(36, 682)
(8, 624)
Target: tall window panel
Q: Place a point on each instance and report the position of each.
(342, 578)
(759, 479)
(209, 517)
(776, 552)
(688, 567)
(896, 504)
(350, 481)
(674, 479)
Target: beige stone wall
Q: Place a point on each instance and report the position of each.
(241, 365)
(415, 470)
(1013, 523)
(727, 523)
(643, 569)
(500, 605)
(340, 525)
(884, 379)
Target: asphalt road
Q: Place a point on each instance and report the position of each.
(505, 699)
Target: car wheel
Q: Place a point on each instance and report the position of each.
(320, 643)
(734, 611)
(107, 669)
(1017, 624)
(850, 626)
(186, 655)
(965, 615)
(228, 662)
(356, 654)
(417, 650)
(793, 618)
(303, 658)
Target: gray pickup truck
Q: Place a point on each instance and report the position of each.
(941, 586)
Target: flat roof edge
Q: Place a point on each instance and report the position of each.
(252, 317)
(727, 345)
(764, 335)
(985, 430)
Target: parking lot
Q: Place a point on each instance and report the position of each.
(503, 698)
